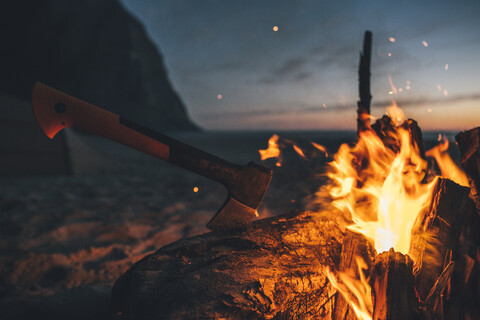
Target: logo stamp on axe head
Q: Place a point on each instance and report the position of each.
(246, 185)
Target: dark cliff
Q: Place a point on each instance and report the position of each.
(92, 49)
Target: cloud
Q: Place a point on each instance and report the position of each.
(305, 108)
(291, 69)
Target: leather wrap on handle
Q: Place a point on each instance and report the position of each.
(55, 110)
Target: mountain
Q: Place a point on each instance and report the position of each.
(92, 49)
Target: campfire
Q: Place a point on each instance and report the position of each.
(394, 235)
(389, 191)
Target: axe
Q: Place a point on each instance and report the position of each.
(246, 185)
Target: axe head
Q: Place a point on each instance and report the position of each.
(246, 188)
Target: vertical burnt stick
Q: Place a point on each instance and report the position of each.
(469, 144)
(438, 237)
(363, 105)
(354, 245)
(393, 287)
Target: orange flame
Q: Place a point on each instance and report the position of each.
(273, 150)
(355, 290)
(299, 151)
(382, 190)
(320, 147)
(447, 166)
(385, 197)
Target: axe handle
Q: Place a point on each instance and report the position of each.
(55, 110)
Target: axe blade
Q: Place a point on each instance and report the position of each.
(233, 215)
(246, 188)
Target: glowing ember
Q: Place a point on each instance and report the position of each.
(390, 81)
(195, 189)
(219, 96)
(275, 28)
(425, 44)
(392, 39)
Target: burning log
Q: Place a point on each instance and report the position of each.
(354, 245)
(469, 144)
(393, 287)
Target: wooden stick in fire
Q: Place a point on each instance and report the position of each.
(363, 105)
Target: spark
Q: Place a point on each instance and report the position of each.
(425, 44)
(195, 189)
(390, 92)
(446, 66)
(275, 28)
(389, 54)
(394, 89)
(392, 39)
(439, 87)
(429, 110)
(324, 106)
(400, 89)
(408, 85)
(219, 96)
(445, 93)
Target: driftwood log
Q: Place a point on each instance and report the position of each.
(273, 270)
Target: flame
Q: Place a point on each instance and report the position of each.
(273, 150)
(381, 190)
(395, 112)
(299, 151)
(355, 289)
(447, 166)
(320, 148)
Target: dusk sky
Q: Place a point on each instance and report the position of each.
(304, 75)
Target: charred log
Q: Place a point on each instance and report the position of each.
(469, 144)
(393, 287)
(440, 237)
(386, 129)
(363, 105)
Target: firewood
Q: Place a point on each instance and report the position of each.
(439, 237)
(363, 105)
(393, 287)
(469, 144)
(276, 268)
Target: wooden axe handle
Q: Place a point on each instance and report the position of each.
(55, 110)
